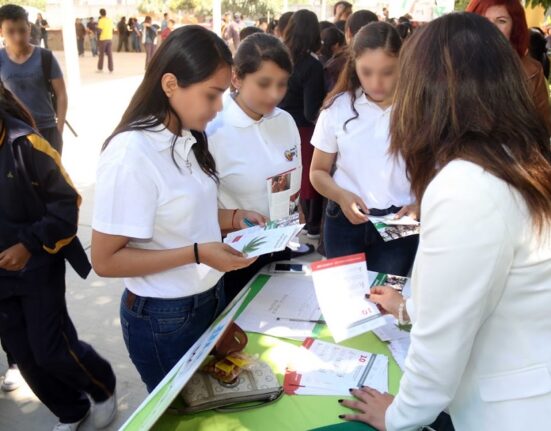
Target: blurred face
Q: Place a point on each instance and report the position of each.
(197, 104)
(377, 72)
(500, 17)
(260, 92)
(17, 34)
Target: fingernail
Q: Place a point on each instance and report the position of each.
(340, 401)
(341, 416)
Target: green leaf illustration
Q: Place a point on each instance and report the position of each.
(254, 244)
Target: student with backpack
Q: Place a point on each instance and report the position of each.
(33, 75)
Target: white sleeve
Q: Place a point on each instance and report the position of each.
(464, 258)
(324, 137)
(126, 199)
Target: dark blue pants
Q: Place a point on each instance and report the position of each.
(158, 332)
(343, 238)
(37, 330)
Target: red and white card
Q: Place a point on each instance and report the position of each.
(341, 286)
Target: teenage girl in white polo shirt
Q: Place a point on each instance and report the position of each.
(252, 140)
(353, 130)
(156, 219)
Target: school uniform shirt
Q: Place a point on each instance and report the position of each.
(481, 287)
(363, 165)
(141, 194)
(248, 152)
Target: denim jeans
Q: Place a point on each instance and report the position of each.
(343, 238)
(158, 332)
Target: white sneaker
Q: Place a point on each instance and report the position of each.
(72, 426)
(104, 413)
(12, 380)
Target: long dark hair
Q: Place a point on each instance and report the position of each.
(372, 36)
(192, 54)
(330, 37)
(462, 94)
(259, 47)
(302, 35)
(11, 106)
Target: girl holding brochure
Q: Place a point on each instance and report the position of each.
(156, 220)
(482, 278)
(352, 130)
(256, 145)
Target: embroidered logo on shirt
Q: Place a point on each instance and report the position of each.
(291, 153)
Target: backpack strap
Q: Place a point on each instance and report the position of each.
(47, 58)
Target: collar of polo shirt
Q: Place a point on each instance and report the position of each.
(163, 140)
(361, 99)
(238, 118)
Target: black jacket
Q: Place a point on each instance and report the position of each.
(306, 92)
(38, 202)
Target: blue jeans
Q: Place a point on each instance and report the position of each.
(343, 238)
(158, 332)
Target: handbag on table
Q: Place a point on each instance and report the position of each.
(255, 385)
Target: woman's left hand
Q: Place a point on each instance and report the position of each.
(371, 406)
(252, 216)
(408, 210)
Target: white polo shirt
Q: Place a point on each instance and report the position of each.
(363, 165)
(141, 194)
(248, 152)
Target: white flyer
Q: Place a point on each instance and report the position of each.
(321, 368)
(341, 286)
(256, 240)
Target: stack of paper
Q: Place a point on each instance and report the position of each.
(341, 285)
(397, 339)
(285, 307)
(256, 240)
(321, 368)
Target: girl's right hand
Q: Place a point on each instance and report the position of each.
(387, 298)
(353, 207)
(222, 257)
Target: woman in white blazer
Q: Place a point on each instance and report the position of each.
(479, 161)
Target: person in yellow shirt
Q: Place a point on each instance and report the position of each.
(105, 44)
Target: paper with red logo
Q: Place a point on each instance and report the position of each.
(321, 368)
(341, 285)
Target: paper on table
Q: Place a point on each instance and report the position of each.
(256, 241)
(321, 368)
(285, 297)
(399, 349)
(283, 190)
(390, 331)
(341, 285)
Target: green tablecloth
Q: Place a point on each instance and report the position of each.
(290, 413)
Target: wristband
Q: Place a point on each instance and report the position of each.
(233, 219)
(196, 253)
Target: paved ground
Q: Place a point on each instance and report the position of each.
(93, 303)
